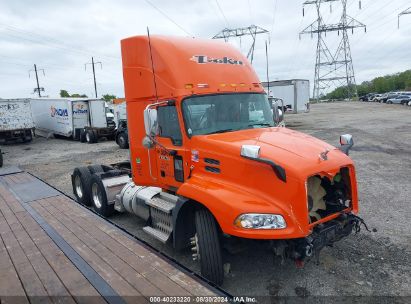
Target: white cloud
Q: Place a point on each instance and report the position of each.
(60, 36)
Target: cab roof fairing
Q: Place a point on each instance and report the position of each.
(176, 65)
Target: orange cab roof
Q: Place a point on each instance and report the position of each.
(184, 66)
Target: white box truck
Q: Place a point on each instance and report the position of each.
(16, 121)
(295, 93)
(78, 118)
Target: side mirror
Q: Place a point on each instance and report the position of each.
(346, 142)
(278, 114)
(148, 142)
(150, 122)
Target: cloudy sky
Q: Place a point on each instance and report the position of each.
(61, 36)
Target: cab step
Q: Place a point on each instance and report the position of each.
(158, 234)
(163, 201)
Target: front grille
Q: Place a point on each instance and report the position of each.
(327, 196)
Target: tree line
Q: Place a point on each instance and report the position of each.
(395, 82)
(106, 97)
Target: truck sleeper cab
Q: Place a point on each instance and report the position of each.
(208, 159)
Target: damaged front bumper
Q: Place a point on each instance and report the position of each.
(324, 234)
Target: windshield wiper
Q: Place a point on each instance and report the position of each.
(220, 131)
(263, 124)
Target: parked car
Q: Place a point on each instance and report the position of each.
(377, 97)
(399, 99)
(367, 97)
(388, 96)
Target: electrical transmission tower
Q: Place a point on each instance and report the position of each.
(94, 71)
(38, 89)
(251, 30)
(333, 69)
(406, 12)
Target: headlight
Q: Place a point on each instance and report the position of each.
(260, 221)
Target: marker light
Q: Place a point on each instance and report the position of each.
(222, 85)
(233, 84)
(188, 85)
(260, 221)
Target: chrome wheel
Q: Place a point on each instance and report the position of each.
(78, 186)
(195, 248)
(96, 194)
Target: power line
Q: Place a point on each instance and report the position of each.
(406, 12)
(222, 12)
(47, 41)
(169, 18)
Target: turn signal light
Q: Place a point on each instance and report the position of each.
(188, 86)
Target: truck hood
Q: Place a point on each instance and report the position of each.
(296, 152)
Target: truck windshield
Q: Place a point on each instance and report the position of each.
(226, 112)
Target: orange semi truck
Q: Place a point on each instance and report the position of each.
(208, 160)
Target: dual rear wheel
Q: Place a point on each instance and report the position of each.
(89, 189)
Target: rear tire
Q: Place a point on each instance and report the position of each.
(1, 159)
(28, 137)
(81, 181)
(91, 137)
(209, 247)
(82, 135)
(122, 141)
(95, 169)
(99, 197)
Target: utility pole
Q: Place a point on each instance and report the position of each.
(407, 11)
(94, 71)
(251, 30)
(333, 69)
(38, 89)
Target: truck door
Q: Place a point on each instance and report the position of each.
(98, 117)
(80, 114)
(170, 166)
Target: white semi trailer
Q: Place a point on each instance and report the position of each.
(16, 121)
(78, 118)
(295, 93)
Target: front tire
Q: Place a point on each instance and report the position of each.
(99, 197)
(209, 247)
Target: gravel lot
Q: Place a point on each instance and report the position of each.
(374, 263)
